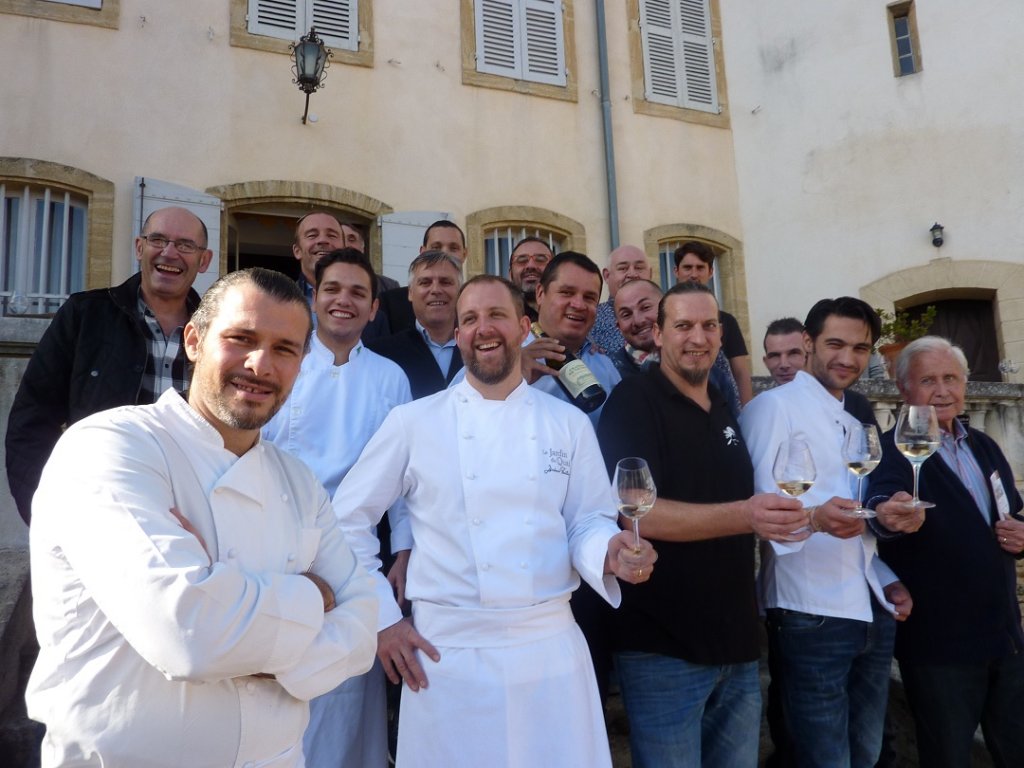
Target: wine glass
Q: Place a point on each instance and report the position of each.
(917, 438)
(635, 489)
(862, 450)
(794, 470)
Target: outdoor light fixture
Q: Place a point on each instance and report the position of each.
(310, 62)
(937, 235)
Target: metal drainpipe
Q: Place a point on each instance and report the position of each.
(606, 121)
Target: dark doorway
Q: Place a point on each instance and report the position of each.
(971, 325)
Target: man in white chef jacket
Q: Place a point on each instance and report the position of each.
(192, 589)
(830, 601)
(510, 506)
(341, 396)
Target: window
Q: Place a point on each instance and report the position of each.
(491, 233)
(43, 235)
(499, 242)
(906, 58)
(336, 21)
(521, 39)
(679, 54)
(667, 264)
(273, 25)
(524, 46)
(100, 13)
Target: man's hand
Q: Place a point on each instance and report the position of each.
(834, 518)
(897, 514)
(325, 590)
(627, 563)
(777, 518)
(396, 649)
(397, 575)
(1010, 535)
(899, 596)
(544, 348)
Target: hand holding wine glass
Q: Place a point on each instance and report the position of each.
(794, 470)
(862, 450)
(917, 438)
(634, 487)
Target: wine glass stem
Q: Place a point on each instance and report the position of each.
(917, 471)
(636, 534)
(860, 493)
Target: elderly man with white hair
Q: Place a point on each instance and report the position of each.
(960, 653)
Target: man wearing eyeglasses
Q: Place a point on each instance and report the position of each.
(109, 347)
(525, 266)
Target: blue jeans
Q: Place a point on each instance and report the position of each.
(684, 715)
(834, 683)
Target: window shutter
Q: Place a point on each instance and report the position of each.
(496, 24)
(660, 73)
(276, 18)
(544, 49)
(337, 22)
(698, 59)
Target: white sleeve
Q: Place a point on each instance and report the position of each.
(371, 487)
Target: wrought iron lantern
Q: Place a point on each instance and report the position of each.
(311, 59)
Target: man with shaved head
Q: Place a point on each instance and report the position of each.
(625, 263)
(111, 346)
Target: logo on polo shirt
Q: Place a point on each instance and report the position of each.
(730, 436)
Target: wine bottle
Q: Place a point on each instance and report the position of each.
(577, 380)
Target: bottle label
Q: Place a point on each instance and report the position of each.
(576, 377)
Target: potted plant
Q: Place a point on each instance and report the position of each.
(899, 328)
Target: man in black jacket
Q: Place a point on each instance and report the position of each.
(961, 653)
(109, 347)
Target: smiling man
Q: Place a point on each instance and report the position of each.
(830, 600)
(961, 657)
(340, 398)
(108, 347)
(636, 313)
(509, 509)
(525, 266)
(567, 298)
(625, 263)
(214, 591)
(687, 642)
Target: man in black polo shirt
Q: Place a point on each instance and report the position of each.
(687, 640)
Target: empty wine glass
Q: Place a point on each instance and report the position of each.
(635, 489)
(917, 438)
(862, 450)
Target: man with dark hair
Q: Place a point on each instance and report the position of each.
(784, 352)
(427, 352)
(567, 298)
(625, 263)
(830, 600)
(695, 261)
(108, 347)
(960, 657)
(509, 509)
(442, 235)
(688, 640)
(340, 398)
(636, 312)
(214, 592)
(525, 266)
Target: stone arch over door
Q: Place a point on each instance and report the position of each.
(308, 194)
(945, 278)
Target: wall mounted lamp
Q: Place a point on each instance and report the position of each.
(310, 61)
(936, 231)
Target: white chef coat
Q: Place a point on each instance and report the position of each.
(334, 409)
(332, 412)
(508, 501)
(822, 575)
(147, 649)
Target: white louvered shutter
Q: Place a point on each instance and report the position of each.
(698, 56)
(497, 24)
(679, 59)
(543, 47)
(336, 21)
